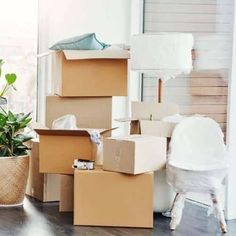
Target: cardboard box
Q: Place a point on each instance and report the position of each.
(79, 73)
(134, 154)
(44, 187)
(90, 112)
(104, 198)
(147, 118)
(66, 193)
(59, 148)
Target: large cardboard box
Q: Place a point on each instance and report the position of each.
(92, 112)
(134, 154)
(59, 148)
(89, 73)
(66, 193)
(104, 198)
(44, 187)
(147, 118)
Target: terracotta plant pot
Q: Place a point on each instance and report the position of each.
(13, 179)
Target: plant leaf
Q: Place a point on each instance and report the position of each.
(22, 138)
(10, 78)
(11, 116)
(25, 123)
(21, 117)
(3, 120)
(3, 110)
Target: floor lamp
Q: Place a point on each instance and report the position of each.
(164, 55)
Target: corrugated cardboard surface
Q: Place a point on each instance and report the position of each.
(159, 128)
(106, 198)
(66, 193)
(155, 127)
(90, 77)
(152, 110)
(90, 112)
(135, 154)
(44, 187)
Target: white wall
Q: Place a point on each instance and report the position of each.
(231, 135)
(109, 19)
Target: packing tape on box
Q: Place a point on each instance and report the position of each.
(81, 164)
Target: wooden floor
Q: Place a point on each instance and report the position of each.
(37, 219)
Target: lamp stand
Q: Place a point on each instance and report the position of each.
(159, 90)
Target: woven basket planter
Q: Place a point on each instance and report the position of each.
(13, 179)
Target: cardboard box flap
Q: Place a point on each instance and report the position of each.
(79, 132)
(96, 54)
(108, 130)
(134, 138)
(126, 119)
(153, 110)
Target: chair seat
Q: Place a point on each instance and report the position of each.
(201, 164)
(184, 181)
(197, 144)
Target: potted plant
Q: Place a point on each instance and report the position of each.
(14, 158)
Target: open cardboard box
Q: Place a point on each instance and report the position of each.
(86, 73)
(146, 118)
(59, 148)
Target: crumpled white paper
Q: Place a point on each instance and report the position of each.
(67, 122)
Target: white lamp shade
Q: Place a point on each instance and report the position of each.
(165, 54)
(213, 51)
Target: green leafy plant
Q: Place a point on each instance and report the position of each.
(12, 138)
(10, 79)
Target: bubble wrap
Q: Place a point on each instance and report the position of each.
(198, 159)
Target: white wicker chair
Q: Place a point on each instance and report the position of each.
(197, 162)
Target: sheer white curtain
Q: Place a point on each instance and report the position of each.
(18, 48)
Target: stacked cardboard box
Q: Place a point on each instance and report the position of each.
(84, 83)
(120, 193)
(147, 118)
(133, 155)
(43, 187)
(105, 198)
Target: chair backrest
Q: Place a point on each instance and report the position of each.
(197, 144)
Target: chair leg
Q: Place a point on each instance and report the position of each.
(168, 212)
(177, 210)
(218, 210)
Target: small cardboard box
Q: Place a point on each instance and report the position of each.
(134, 154)
(92, 112)
(104, 198)
(147, 118)
(88, 73)
(59, 148)
(66, 193)
(44, 187)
